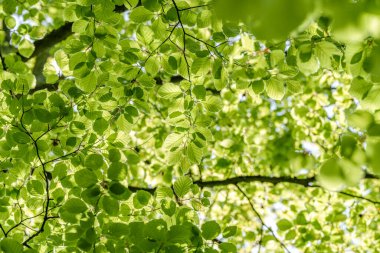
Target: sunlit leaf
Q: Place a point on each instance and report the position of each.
(182, 186)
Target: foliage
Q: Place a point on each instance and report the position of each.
(189, 126)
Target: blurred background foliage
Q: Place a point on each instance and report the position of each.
(189, 126)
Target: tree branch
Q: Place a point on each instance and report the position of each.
(52, 39)
(261, 220)
(61, 34)
(194, 7)
(45, 176)
(2, 61)
(184, 37)
(306, 182)
(42, 47)
(264, 179)
(360, 197)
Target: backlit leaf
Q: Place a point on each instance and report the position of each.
(182, 186)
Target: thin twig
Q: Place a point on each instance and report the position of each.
(193, 7)
(261, 220)
(184, 38)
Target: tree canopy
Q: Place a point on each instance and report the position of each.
(189, 126)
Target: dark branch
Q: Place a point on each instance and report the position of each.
(305, 182)
(49, 87)
(2, 61)
(135, 189)
(42, 47)
(2, 229)
(28, 218)
(360, 197)
(264, 179)
(184, 37)
(46, 179)
(60, 34)
(261, 219)
(193, 7)
(52, 39)
(122, 8)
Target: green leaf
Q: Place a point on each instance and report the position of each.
(35, 187)
(147, 81)
(26, 48)
(182, 186)
(99, 48)
(80, 26)
(199, 91)
(360, 119)
(84, 245)
(179, 234)
(10, 22)
(100, 125)
(9, 7)
(307, 61)
(114, 155)
(284, 224)
(229, 231)
(75, 205)
(142, 197)
(210, 230)
(173, 140)
(9, 245)
(258, 86)
(152, 66)
(168, 207)
(359, 88)
(172, 62)
(118, 229)
(231, 29)
(287, 71)
(163, 192)
(169, 90)
(217, 69)
(275, 89)
(356, 57)
(43, 115)
(277, 57)
(227, 247)
(336, 173)
(88, 83)
(372, 101)
(85, 178)
(117, 188)
(200, 66)
(194, 153)
(38, 32)
(290, 235)
(117, 171)
(21, 137)
(324, 51)
(62, 61)
(330, 175)
(348, 145)
(294, 86)
(301, 219)
(94, 161)
(69, 13)
(213, 103)
(140, 14)
(373, 155)
(204, 19)
(110, 205)
(151, 4)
